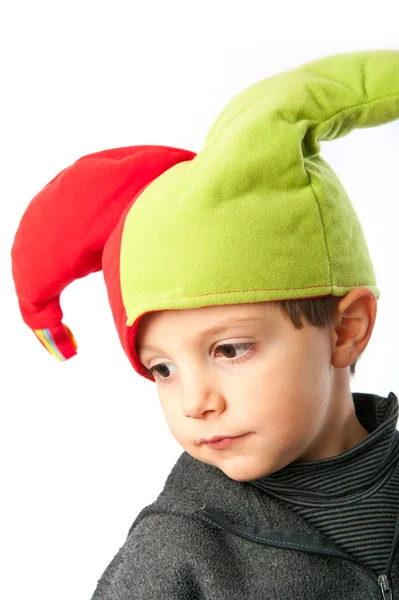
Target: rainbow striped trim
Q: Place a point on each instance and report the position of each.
(58, 340)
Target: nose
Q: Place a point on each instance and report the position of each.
(201, 392)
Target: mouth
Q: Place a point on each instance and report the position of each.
(219, 442)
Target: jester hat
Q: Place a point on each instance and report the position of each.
(257, 215)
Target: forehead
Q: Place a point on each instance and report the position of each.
(196, 324)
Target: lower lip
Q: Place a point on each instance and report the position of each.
(224, 442)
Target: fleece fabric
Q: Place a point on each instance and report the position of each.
(209, 537)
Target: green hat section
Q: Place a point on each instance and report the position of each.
(258, 215)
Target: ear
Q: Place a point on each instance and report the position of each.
(354, 326)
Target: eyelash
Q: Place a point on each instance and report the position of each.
(250, 346)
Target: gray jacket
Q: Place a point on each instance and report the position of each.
(208, 537)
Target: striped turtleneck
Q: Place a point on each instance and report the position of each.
(351, 498)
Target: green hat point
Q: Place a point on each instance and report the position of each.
(258, 215)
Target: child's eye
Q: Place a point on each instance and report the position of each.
(249, 346)
(240, 346)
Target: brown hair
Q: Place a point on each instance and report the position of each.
(319, 312)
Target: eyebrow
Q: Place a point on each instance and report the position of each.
(220, 328)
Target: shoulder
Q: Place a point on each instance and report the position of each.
(156, 561)
(170, 538)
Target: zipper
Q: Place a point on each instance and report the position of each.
(384, 584)
(382, 580)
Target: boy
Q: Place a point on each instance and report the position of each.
(225, 251)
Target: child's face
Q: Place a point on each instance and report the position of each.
(285, 394)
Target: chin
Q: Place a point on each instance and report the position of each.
(245, 473)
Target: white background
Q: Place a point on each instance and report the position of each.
(84, 445)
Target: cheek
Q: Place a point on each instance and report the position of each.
(174, 419)
(168, 411)
(281, 396)
(276, 376)
(316, 371)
